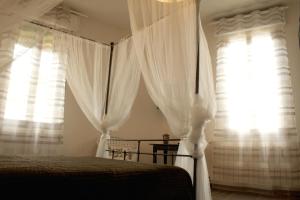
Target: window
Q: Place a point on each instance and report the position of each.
(254, 91)
(255, 137)
(32, 102)
(251, 83)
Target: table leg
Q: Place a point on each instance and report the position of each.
(172, 158)
(154, 154)
(165, 156)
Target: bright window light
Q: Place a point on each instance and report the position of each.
(45, 92)
(19, 84)
(32, 82)
(252, 84)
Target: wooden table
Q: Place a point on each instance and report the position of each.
(165, 148)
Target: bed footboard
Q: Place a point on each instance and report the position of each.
(138, 153)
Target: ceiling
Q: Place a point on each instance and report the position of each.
(115, 12)
(111, 12)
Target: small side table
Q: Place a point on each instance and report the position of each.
(165, 148)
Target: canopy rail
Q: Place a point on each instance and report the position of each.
(65, 31)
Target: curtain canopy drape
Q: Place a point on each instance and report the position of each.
(14, 12)
(87, 68)
(125, 78)
(124, 83)
(87, 74)
(165, 38)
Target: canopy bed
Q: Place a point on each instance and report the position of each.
(167, 45)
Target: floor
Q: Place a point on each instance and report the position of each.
(224, 195)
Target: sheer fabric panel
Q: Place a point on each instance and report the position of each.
(168, 67)
(11, 12)
(14, 12)
(164, 36)
(125, 79)
(30, 53)
(87, 74)
(256, 143)
(8, 39)
(32, 93)
(87, 68)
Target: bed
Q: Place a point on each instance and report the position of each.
(91, 178)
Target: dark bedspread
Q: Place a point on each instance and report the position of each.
(90, 178)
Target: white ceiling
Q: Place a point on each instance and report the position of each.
(111, 12)
(115, 12)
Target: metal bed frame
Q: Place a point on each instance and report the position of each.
(139, 153)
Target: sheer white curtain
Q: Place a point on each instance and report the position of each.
(32, 93)
(87, 74)
(87, 69)
(125, 79)
(164, 36)
(8, 40)
(255, 138)
(14, 12)
(32, 84)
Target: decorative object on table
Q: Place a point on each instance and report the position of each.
(166, 138)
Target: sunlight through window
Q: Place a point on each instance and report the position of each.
(252, 84)
(19, 85)
(43, 110)
(32, 82)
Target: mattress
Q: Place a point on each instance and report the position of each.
(91, 178)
